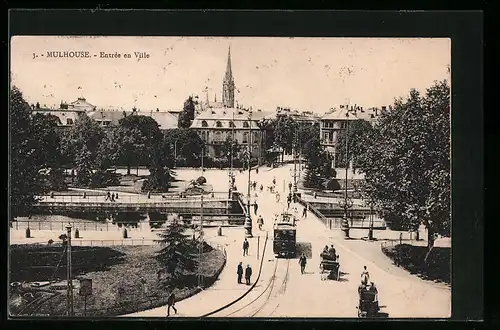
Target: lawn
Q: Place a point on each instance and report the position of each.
(411, 258)
(125, 279)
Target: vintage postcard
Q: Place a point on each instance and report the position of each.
(231, 177)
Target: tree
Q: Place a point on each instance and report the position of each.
(187, 115)
(318, 167)
(230, 149)
(176, 250)
(137, 137)
(187, 143)
(407, 162)
(284, 133)
(48, 154)
(25, 177)
(304, 134)
(82, 144)
(358, 137)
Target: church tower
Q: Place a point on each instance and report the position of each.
(228, 84)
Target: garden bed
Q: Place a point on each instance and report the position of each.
(411, 258)
(125, 279)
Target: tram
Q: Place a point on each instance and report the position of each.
(284, 233)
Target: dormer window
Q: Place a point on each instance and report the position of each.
(218, 124)
(245, 124)
(204, 124)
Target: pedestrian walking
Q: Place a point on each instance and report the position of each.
(260, 222)
(365, 276)
(257, 170)
(274, 181)
(302, 262)
(304, 212)
(239, 271)
(261, 187)
(290, 186)
(246, 245)
(171, 303)
(255, 207)
(248, 274)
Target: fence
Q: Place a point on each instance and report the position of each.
(72, 198)
(335, 222)
(114, 242)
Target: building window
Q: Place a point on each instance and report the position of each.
(69, 121)
(325, 137)
(245, 124)
(204, 124)
(218, 124)
(245, 137)
(231, 124)
(343, 124)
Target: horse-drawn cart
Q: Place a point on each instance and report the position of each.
(329, 267)
(368, 302)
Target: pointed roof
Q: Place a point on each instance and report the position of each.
(229, 73)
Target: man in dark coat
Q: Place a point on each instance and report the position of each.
(255, 207)
(248, 274)
(171, 303)
(246, 245)
(239, 271)
(302, 262)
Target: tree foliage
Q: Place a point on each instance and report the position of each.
(186, 117)
(284, 133)
(25, 176)
(407, 162)
(187, 143)
(358, 137)
(318, 166)
(176, 250)
(48, 154)
(230, 149)
(83, 144)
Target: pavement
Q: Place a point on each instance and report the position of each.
(282, 291)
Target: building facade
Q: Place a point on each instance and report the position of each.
(220, 121)
(216, 125)
(337, 120)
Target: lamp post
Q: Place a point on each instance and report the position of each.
(68, 272)
(347, 203)
(295, 162)
(248, 220)
(370, 230)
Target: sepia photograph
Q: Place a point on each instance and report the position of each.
(229, 177)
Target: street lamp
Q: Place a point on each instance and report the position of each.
(295, 161)
(347, 202)
(68, 272)
(370, 231)
(248, 220)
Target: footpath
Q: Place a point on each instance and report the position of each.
(225, 289)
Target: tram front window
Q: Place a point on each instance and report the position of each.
(284, 234)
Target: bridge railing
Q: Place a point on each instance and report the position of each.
(126, 198)
(363, 222)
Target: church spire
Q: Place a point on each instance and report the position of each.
(228, 84)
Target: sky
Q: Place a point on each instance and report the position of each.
(308, 74)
